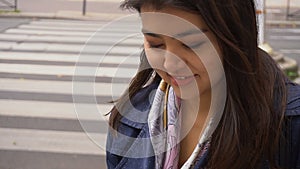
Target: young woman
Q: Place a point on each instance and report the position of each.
(206, 96)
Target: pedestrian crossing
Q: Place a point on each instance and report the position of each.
(44, 65)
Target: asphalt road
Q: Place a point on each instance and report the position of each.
(285, 40)
(6, 23)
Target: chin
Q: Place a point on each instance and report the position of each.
(187, 93)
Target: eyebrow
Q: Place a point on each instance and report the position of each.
(179, 35)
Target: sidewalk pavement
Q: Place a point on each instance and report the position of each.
(67, 9)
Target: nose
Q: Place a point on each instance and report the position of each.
(174, 60)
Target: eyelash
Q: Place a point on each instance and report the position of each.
(156, 46)
(192, 46)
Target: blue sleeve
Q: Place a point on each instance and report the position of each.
(295, 141)
(117, 162)
(289, 156)
(130, 146)
(112, 160)
(125, 153)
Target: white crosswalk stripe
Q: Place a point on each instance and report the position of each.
(38, 62)
(62, 87)
(62, 110)
(63, 57)
(70, 39)
(67, 70)
(51, 141)
(286, 30)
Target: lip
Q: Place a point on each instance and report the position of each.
(182, 80)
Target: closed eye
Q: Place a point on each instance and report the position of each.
(156, 46)
(194, 45)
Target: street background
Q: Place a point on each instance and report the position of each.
(40, 48)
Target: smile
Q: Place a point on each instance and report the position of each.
(182, 80)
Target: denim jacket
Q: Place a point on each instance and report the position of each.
(124, 153)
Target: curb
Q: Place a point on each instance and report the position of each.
(66, 15)
(36, 16)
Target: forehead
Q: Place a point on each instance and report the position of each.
(170, 20)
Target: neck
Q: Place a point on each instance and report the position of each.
(194, 112)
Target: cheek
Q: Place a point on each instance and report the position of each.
(215, 45)
(155, 58)
(211, 62)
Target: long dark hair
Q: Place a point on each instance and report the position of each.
(250, 127)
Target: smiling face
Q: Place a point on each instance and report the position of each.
(181, 49)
